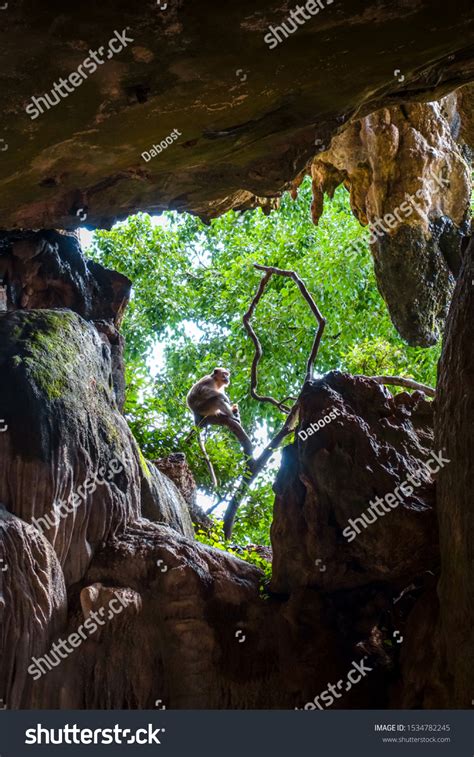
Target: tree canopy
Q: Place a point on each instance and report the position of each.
(191, 285)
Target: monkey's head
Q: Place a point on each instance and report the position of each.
(221, 376)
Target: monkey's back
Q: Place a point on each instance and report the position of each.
(200, 392)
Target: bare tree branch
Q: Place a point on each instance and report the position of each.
(292, 412)
(258, 347)
(259, 464)
(269, 271)
(400, 381)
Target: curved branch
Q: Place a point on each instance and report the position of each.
(258, 347)
(269, 271)
(400, 381)
(259, 464)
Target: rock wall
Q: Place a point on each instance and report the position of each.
(409, 177)
(454, 423)
(372, 443)
(106, 600)
(33, 605)
(67, 460)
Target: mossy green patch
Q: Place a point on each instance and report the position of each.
(53, 350)
(143, 464)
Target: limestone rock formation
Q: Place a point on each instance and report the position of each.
(329, 478)
(96, 545)
(176, 468)
(33, 604)
(161, 500)
(249, 117)
(454, 423)
(68, 459)
(409, 180)
(48, 270)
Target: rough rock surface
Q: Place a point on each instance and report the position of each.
(196, 634)
(176, 468)
(409, 179)
(48, 270)
(248, 115)
(168, 648)
(454, 422)
(436, 663)
(64, 430)
(65, 435)
(44, 270)
(162, 502)
(371, 447)
(33, 604)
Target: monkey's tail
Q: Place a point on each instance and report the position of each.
(206, 458)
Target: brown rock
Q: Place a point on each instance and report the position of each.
(332, 476)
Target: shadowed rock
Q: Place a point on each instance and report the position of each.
(371, 447)
(33, 605)
(176, 468)
(65, 434)
(162, 502)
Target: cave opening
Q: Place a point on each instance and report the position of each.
(354, 546)
(104, 341)
(192, 282)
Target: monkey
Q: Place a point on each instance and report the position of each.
(207, 397)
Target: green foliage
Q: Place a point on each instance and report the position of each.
(214, 538)
(192, 284)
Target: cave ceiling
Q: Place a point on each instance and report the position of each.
(246, 119)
